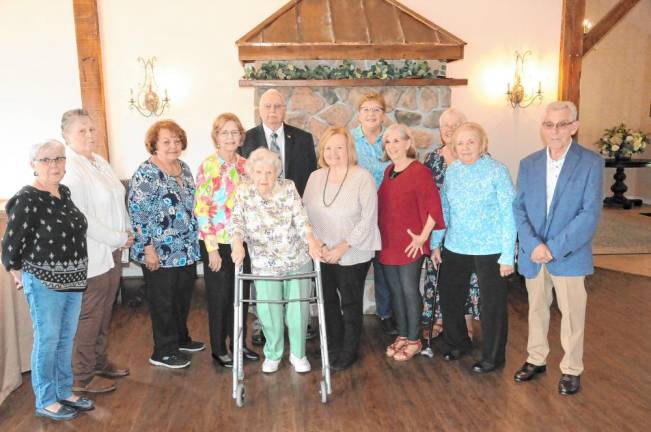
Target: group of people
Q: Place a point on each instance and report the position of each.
(264, 199)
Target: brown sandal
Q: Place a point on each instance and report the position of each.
(396, 346)
(410, 349)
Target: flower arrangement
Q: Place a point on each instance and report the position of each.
(619, 141)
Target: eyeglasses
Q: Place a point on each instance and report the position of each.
(232, 134)
(276, 107)
(374, 110)
(562, 125)
(51, 162)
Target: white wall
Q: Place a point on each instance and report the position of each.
(39, 80)
(197, 62)
(195, 46)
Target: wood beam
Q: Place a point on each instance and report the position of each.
(571, 50)
(604, 25)
(89, 57)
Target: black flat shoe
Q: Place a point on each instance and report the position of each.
(224, 360)
(528, 371)
(249, 354)
(482, 368)
(258, 338)
(569, 384)
(81, 404)
(452, 355)
(388, 326)
(342, 363)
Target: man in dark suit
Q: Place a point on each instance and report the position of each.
(294, 146)
(557, 209)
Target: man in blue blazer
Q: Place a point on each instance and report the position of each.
(557, 209)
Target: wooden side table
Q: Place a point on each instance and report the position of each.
(619, 187)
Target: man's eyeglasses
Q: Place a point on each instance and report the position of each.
(51, 162)
(562, 125)
(276, 107)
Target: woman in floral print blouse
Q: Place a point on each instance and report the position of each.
(161, 198)
(268, 214)
(217, 178)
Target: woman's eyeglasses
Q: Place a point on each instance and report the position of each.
(51, 162)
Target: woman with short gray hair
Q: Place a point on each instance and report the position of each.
(98, 193)
(44, 248)
(269, 216)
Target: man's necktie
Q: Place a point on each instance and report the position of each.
(273, 146)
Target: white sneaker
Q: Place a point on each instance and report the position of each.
(301, 365)
(270, 366)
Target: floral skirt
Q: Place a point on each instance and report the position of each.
(431, 301)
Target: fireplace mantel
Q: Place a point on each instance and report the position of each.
(407, 82)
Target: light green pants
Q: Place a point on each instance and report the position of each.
(271, 315)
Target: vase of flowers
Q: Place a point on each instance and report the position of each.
(619, 142)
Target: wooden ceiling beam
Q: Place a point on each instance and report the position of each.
(89, 58)
(571, 50)
(604, 25)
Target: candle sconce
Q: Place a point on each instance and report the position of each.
(516, 94)
(147, 101)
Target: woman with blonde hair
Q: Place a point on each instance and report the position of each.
(344, 192)
(477, 199)
(217, 179)
(409, 208)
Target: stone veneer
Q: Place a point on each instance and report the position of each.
(316, 108)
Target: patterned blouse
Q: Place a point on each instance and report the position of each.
(477, 206)
(274, 229)
(370, 155)
(161, 214)
(436, 162)
(216, 184)
(46, 237)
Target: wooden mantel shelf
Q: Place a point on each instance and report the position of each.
(355, 82)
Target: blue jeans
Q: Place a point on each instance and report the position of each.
(382, 293)
(54, 318)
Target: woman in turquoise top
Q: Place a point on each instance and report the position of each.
(477, 200)
(370, 156)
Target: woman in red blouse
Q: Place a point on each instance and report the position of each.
(409, 207)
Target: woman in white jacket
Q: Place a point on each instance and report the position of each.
(98, 193)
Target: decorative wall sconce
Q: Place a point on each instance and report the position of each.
(146, 100)
(517, 95)
(587, 25)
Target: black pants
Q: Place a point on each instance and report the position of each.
(220, 290)
(169, 294)
(404, 283)
(343, 296)
(453, 286)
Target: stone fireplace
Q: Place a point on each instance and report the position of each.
(328, 32)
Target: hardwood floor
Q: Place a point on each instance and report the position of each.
(378, 394)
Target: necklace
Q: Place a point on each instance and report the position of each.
(341, 185)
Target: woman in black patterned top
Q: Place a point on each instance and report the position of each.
(44, 248)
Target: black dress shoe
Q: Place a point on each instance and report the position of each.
(528, 371)
(250, 354)
(342, 363)
(482, 367)
(388, 326)
(311, 332)
(224, 360)
(569, 384)
(258, 338)
(452, 355)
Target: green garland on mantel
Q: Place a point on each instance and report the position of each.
(347, 70)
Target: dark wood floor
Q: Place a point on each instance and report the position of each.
(379, 394)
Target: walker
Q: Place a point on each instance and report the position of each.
(238, 326)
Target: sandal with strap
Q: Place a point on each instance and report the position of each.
(396, 346)
(410, 349)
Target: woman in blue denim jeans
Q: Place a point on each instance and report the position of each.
(44, 248)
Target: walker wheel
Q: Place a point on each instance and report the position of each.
(324, 392)
(239, 395)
